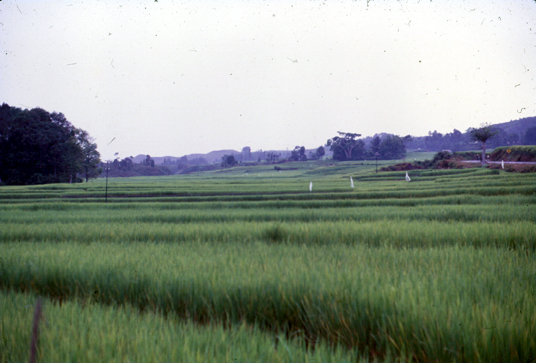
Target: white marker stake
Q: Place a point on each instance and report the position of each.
(311, 187)
(502, 163)
(407, 177)
(351, 182)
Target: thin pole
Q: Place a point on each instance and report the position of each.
(106, 192)
(35, 331)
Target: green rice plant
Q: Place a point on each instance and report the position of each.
(88, 332)
(440, 269)
(32, 210)
(436, 304)
(304, 211)
(368, 186)
(400, 234)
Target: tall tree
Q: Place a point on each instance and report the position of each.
(392, 147)
(375, 145)
(482, 134)
(298, 154)
(320, 152)
(343, 145)
(90, 155)
(228, 161)
(38, 147)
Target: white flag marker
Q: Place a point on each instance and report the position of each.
(407, 177)
(351, 182)
(502, 163)
(311, 187)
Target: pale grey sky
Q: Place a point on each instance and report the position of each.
(178, 77)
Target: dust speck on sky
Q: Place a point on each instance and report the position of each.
(171, 78)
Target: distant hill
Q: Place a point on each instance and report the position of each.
(519, 126)
(211, 157)
(215, 156)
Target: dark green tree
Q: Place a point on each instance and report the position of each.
(39, 147)
(126, 164)
(346, 146)
(375, 145)
(392, 147)
(482, 134)
(434, 141)
(149, 161)
(272, 157)
(530, 136)
(320, 152)
(228, 161)
(298, 154)
(90, 157)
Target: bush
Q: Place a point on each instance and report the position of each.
(275, 233)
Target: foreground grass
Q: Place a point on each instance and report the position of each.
(78, 332)
(434, 304)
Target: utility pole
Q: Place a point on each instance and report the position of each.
(106, 190)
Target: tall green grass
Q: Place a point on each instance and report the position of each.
(270, 212)
(88, 332)
(437, 270)
(435, 304)
(395, 233)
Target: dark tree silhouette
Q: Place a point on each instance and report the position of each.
(38, 147)
(227, 161)
(392, 147)
(320, 152)
(482, 134)
(298, 154)
(343, 145)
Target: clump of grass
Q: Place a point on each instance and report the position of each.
(275, 233)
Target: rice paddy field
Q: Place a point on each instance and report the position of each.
(249, 265)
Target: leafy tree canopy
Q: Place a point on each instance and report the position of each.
(320, 152)
(482, 134)
(392, 147)
(346, 146)
(38, 147)
(298, 154)
(227, 161)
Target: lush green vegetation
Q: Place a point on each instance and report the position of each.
(82, 331)
(248, 264)
(37, 147)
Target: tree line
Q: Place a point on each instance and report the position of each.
(463, 141)
(38, 147)
(347, 146)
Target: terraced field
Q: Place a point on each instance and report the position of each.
(248, 265)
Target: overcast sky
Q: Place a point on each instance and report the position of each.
(169, 78)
